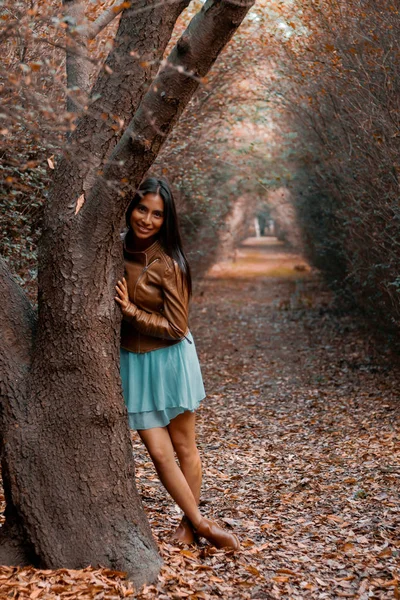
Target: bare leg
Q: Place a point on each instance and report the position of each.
(159, 445)
(182, 433)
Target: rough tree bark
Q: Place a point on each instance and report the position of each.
(67, 460)
(18, 324)
(78, 61)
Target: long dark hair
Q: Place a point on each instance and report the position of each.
(169, 235)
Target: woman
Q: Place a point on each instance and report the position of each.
(160, 371)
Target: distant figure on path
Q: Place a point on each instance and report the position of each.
(160, 371)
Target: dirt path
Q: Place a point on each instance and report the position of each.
(300, 443)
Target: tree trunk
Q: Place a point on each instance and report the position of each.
(68, 465)
(17, 326)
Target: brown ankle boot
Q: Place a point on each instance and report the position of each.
(216, 535)
(184, 533)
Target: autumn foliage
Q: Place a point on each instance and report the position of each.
(340, 63)
(206, 170)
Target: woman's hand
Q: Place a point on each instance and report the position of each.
(123, 297)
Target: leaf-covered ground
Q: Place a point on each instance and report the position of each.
(300, 443)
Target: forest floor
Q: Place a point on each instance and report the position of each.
(299, 437)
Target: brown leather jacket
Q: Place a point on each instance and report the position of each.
(158, 314)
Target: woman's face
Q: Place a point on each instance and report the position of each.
(147, 217)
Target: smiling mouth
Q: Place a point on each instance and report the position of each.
(143, 229)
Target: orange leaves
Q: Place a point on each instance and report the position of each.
(280, 579)
(122, 6)
(253, 570)
(85, 584)
(189, 554)
(35, 66)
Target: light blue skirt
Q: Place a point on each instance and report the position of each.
(161, 384)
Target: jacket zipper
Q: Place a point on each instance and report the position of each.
(134, 291)
(147, 267)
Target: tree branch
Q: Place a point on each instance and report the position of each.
(78, 65)
(188, 63)
(105, 19)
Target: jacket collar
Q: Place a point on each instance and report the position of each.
(143, 257)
